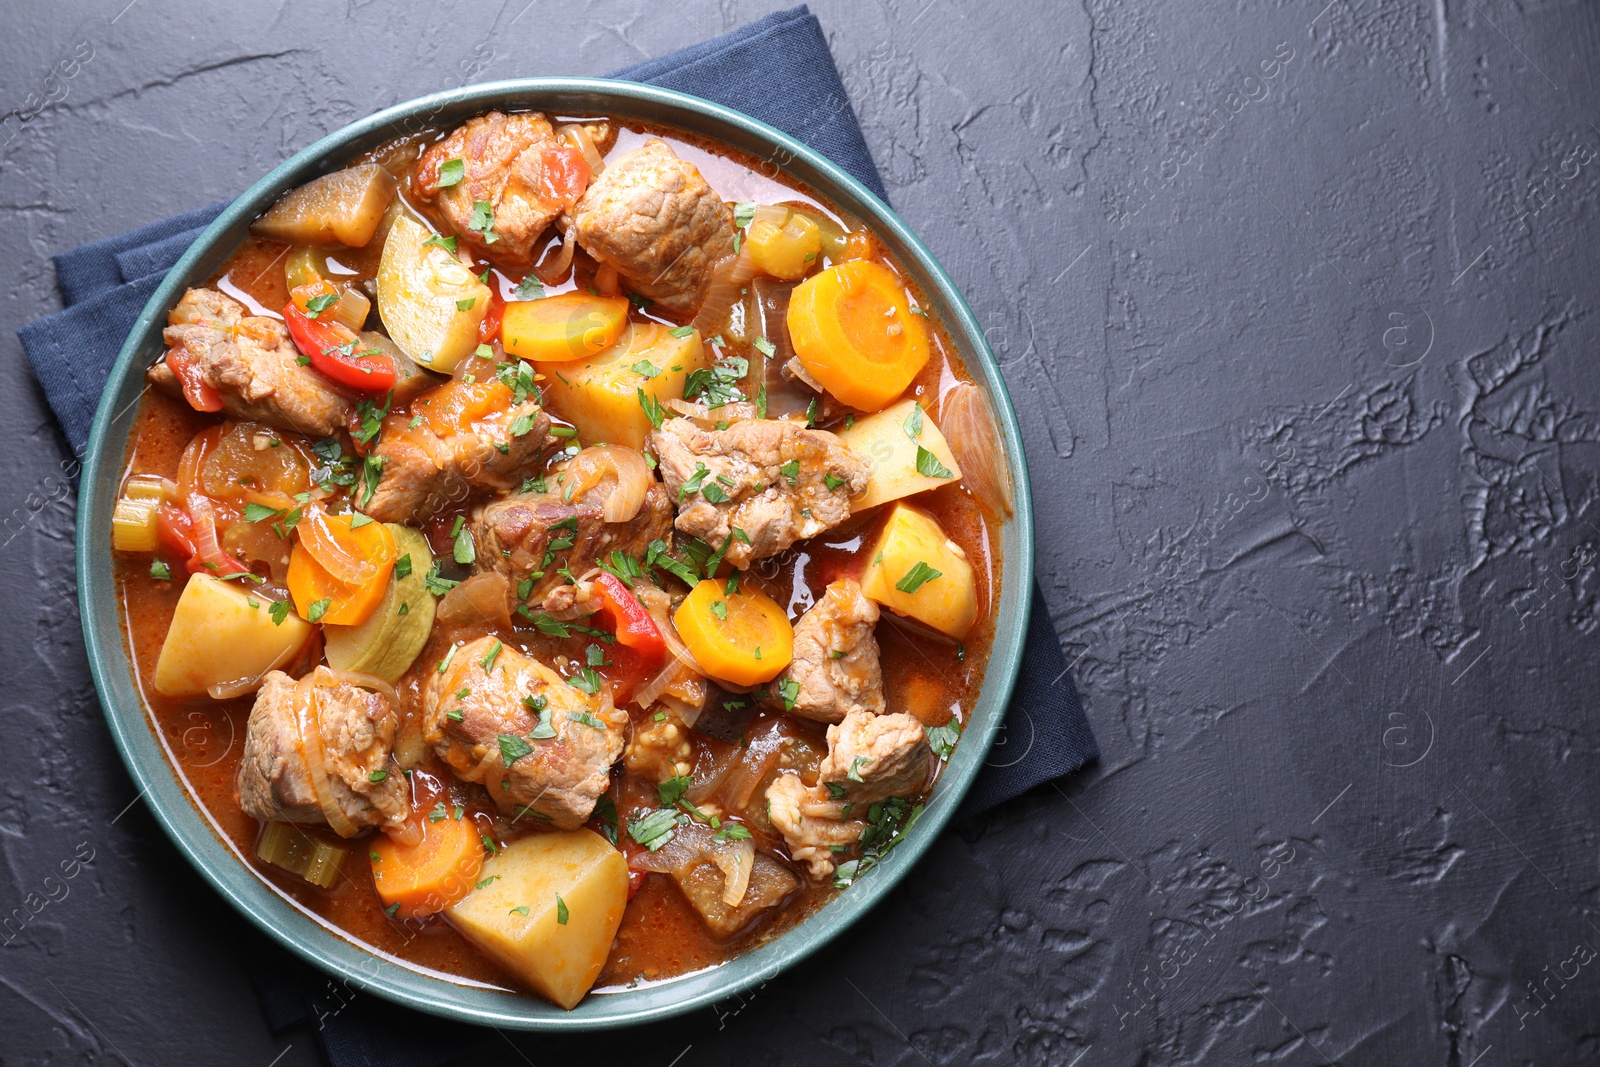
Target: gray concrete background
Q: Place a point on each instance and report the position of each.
(1296, 301)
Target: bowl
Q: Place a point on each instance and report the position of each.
(155, 772)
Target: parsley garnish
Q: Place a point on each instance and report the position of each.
(530, 288)
(318, 304)
(943, 739)
(656, 829)
(160, 570)
(487, 662)
(832, 481)
(789, 690)
(919, 574)
(718, 383)
(436, 583)
(451, 171)
(790, 471)
(586, 681)
(719, 608)
(446, 243)
(653, 409)
(483, 221)
(279, 611)
(465, 551)
(513, 748)
(318, 609)
(561, 911)
(402, 566)
(646, 368)
(928, 465)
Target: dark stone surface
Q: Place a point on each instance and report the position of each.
(1313, 417)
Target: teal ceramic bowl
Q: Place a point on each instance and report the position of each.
(153, 768)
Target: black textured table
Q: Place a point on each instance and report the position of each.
(1297, 306)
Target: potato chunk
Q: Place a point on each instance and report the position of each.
(885, 441)
(221, 633)
(430, 303)
(344, 207)
(916, 571)
(600, 395)
(548, 910)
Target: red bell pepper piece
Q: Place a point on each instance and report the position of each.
(196, 390)
(337, 359)
(631, 623)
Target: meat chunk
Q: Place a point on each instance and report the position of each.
(537, 533)
(352, 742)
(541, 747)
(428, 466)
(811, 822)
(774, 481)
(874, 757)
(519, 167)
(251, 363)
(835, 669)
(653, 217)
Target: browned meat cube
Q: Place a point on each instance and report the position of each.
(873, 757)
(353, 741)
(653, 217)
(515, 164)
(835, 668)
(811, 823)
(540, 746)
(252, 364)
(425, 472)
(531, 535)
(774, 481)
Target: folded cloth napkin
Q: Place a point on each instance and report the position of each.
(106, 284)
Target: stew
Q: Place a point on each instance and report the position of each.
(557, 553)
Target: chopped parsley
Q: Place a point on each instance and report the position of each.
(279, 611)
(561, 911)
(789, 690)
(718, 383)
(646, 368)
(437, 584)
(318, 304)
(915, 578)
(913, 423)
(377, 776)
(451, 171)
(586, 680)
(530, 288)
(657, 554)
(695, 481)
(719, 608)
(466, 305)
(160, 570)
(790, 471)
(656, 829)
(653, 409)
(681, 331)
(318, 609)
(833, 481)
(854, 773)
(605, 809)
(732, 832)
(446, 243)
(765, 347)
(521, 909)
(744, 213)
(513, 748)
(942, 739)
(928, 465)
(483, 221)
(402, 566)
(487, 662)
(465, 551)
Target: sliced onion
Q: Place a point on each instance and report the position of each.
(969, 428)
(605, 280)
(625, 467)
(736, 863)
(482, 600)
(553, 268)
(835, 241)
(659, 609)
(728, 280)
(672, 672)
(323, 545)
(579, 136)
(310, 727)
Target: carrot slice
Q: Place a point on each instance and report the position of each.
(744, 638)
(319, 594)
(432, 874)
(565, 327)
(852, 327)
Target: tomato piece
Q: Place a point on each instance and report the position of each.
(632, 624)
(335, 355)
(489, 328)
(175, 531)
(196, 390)
(566, 174)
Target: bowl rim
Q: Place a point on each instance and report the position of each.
(192, 829)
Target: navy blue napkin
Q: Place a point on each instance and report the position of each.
(106, 284)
